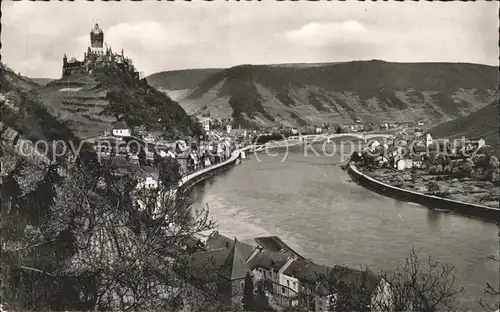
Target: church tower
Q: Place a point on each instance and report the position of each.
(97, 40)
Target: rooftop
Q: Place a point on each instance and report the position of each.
(306, 270)
(120, 125)
(235, 266)
(96, 29)
(274, 243)
(268, 260)
(352, 276)
(218, 241)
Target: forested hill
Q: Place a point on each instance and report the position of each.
(301, 94)
(91, 103)
(23, 111)
(483, 123)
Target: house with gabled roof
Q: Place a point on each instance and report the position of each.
(274, 243)
(224, 268)
(218, 241)
(121, 129)
(372, 290)
(266, 265)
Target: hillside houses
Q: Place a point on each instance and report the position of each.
(288, 278)
(408, 151)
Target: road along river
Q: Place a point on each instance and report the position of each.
(311, 203)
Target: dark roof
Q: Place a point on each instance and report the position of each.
(120, 125)
(352, 276)
(218, 241)
(268, 259)
(211, 259)
(306, 270)
(202, 267)
(234, 267)
(274, 243)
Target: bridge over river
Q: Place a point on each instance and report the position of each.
(366, 136)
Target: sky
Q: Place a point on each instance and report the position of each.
(159, 35)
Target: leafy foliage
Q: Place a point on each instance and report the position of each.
(81, 242)
(170, 172)
(433, 187)
(248, 295)
(137, 103)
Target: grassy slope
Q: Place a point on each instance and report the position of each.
(481, 124)
(365, 79)
(119, 96)
(42, 81)
(32, 120)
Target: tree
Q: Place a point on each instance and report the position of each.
(493, 162)
(169, 172)
(466, 168)
(261, 301)
(248, 295)
(433, 187)
(398, 181)
(421, 285)
(338, 130)
(490, 289)
(90, 246)
(436, 169)
(415, 285)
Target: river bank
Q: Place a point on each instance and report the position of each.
(312, 205)
(483, 212)
(459, 189)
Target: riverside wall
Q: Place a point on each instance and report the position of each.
(192, 179)
(482, 212)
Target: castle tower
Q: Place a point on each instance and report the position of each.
(232, 274)
(97, 40)
(65, 64)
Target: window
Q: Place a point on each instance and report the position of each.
(283, 289)
(294, 284)
(288, 283)
(242, 285)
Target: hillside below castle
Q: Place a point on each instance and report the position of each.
(308, 94)
(104, 88)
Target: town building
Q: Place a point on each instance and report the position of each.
(403, 164)
(148, 182)
(204, 122)
(289, 278)
(121, 129)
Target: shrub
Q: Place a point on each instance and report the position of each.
(436, 169)
(433, 187)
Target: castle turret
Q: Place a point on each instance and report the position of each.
(97, 40)
(65, 59)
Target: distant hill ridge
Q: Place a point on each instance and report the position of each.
(301, 94)
(483, 123)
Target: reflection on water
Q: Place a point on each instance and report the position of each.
(317, 210)
(434, 220)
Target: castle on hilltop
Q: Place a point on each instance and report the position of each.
(98, 56)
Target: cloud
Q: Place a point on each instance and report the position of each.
(173, 35)
(150, 35)
(321, 34)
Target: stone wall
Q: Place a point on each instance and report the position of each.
(482, 212)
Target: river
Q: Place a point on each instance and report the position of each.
(312, 204)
